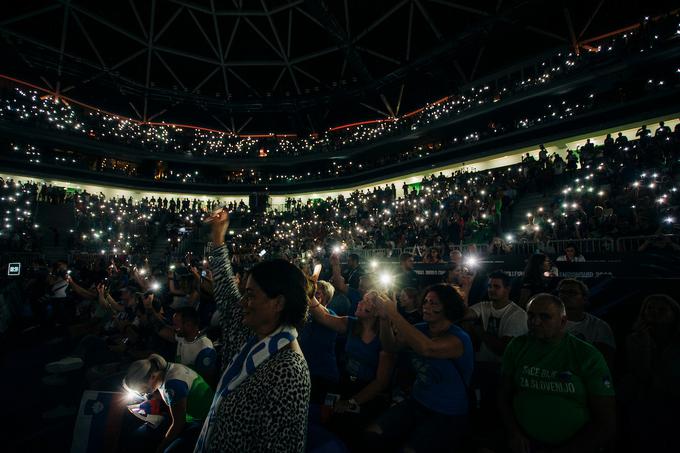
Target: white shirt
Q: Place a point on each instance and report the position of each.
(198, 354)
(593, 330)
(509, 321)
(577, 258)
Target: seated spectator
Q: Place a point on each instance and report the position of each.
(499, 247)
(432, 256)
(659, 243)
(557, 392)
(434, 417)
(408, 277)
(462, 277)
(538, 277)
(334, 300)
(368, 368)
(651, 386)
(492, 325)
(455, 256)
(571, 255)
(499, 320)
(194, 349)
(340, 284)
(408, 305)
(318, 345)
(186, 293)
(185, 393)
(354, 271)
(582, 324)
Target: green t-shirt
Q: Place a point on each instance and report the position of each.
(552, 383)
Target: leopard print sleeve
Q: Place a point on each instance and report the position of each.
(227, 297)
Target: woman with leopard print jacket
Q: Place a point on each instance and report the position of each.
(262, 399)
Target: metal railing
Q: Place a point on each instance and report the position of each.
(20, 257)
(633, 243)
(594, 245)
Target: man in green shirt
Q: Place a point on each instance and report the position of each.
(557, 393)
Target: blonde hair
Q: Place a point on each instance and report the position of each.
(326, 289)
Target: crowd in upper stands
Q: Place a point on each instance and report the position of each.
(25, 105)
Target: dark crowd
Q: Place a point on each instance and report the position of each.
(310, 346)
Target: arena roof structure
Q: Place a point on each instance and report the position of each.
(287, 66)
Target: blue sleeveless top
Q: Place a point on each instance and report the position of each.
(362, 358)
(441, 384)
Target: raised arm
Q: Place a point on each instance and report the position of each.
(337, 279)
(445, 347)
(226, 293)
(82, 292)
(321, 315)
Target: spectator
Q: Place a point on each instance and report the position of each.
(432, 256)
(336, 301)
(652, 383)
(582, 324)
(549, 371)
(462, 277)
(185, 393)
(499, 320)
(621, 140)
(193, 349)
(455, 256)
(408, 277)
(368, 368)
(434, 417)
(662, 131)
(538, 277)
(499, 247)
(318, 345)
(492, 324)
(258, 330)
(571, 255)
(354, 271)
(187, 293)
(408, 305)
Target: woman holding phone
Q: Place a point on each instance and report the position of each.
(434, 416)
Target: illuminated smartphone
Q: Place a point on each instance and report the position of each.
(317, 271)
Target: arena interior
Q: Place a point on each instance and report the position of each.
(340, 226)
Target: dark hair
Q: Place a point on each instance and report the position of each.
(411, 292)
(189, 314)
(573, 246)
(451, 299)
(572, 281)
(354, 257)
(668, 300)
(405, 257)
(500, 275)
(280, 278)
(533, 273)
